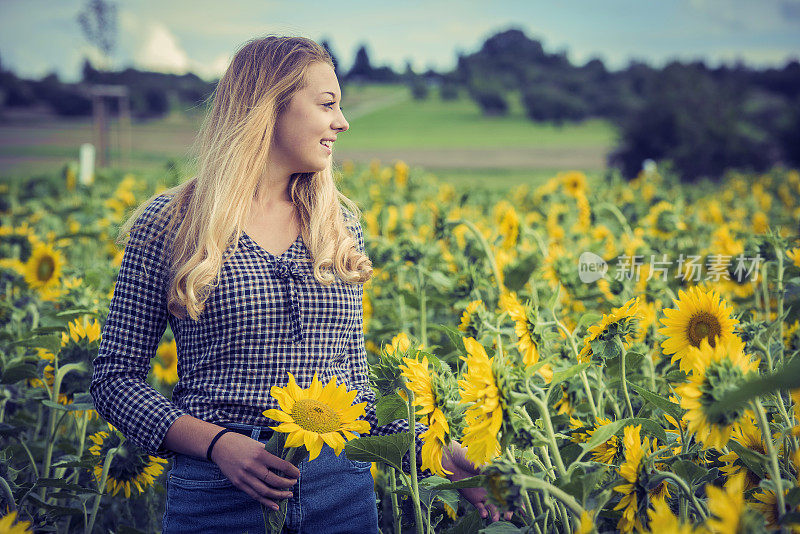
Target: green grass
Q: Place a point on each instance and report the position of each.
(435, 123)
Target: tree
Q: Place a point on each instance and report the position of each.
(361, 66)
(98, 21)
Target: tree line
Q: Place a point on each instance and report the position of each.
(705, 120)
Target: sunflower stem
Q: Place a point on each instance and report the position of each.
(773, 456)
(688, 492)
(395, 506)
(548, 426)
(487, 249)
(102, 486)
(9, 496)
(623, 377)
(413, 457)
(562, 496)
(779, 253)
(423, 310)
(576, 353)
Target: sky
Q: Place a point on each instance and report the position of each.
(38, 37)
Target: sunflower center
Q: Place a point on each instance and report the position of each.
(45, 269)
(704, 325)
(315, 416)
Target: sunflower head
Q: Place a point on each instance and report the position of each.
(79, 346)
(700, 315)
(131, 467)
(715, 371)
(317, 415)
(620, 324)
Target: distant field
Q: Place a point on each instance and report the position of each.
(450, 138)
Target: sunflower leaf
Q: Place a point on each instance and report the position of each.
(390, 408)
(786, 378)
(388, 449)
(470, 523)
(754, 461)
(659, 402)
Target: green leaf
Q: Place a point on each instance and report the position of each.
(786, 378)
(650, 427)
(502, 527)
(15, 373)
(75, 406)
(472, 482)
(603, 434)
(388, 449)
(469, 524)
(658, 401)
(51, 343)
(754, 461)
(566, 374)
(688, 471)
(62, 484)
(390, 408)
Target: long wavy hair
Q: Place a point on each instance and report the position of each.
(232, 151)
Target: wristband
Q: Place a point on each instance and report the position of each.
(213, 441)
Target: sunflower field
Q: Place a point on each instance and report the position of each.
(618, 356)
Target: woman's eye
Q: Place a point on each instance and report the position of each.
(330, 104)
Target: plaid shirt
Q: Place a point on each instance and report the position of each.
(267, 316)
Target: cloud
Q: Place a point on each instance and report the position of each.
(161, 52)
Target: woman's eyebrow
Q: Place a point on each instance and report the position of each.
(333, 95)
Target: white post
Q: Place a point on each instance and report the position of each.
(86, 176)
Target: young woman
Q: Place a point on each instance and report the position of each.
(257, 264)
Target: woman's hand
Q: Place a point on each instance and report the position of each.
(454, 459)
(246, 463)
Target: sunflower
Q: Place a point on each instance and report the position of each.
(586, 522)
(699, 315)
(663, 221)
(166, 370)
(747, 434)
(636, 496)
(317, 415)
(564, 405)
(574, 183)
(469, 323)
(420, 382)
(130, 467)
(715, 371)
(767, 503)
(9, 524)
(662, 520)
(794, 255)
(400, 343)
(43, 270)
(727, 510)
(523, 328)
(485, 415)
(620, 322)
(608, 452)
(507, 221)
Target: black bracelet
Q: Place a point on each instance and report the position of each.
(213, 441)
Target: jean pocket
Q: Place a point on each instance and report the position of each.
(359, 465)
(200, 480)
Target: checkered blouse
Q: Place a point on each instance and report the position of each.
(267, 316)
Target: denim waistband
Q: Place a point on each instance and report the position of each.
(260, 433)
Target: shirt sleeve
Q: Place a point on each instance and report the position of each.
(137, 318)
(360, 380)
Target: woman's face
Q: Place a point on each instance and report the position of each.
(312, 120)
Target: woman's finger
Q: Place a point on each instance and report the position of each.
(482, 510)
(248, 489)
(268, 490)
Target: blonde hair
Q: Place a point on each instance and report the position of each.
(232, 150)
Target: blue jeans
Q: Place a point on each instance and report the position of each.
(332, 495)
